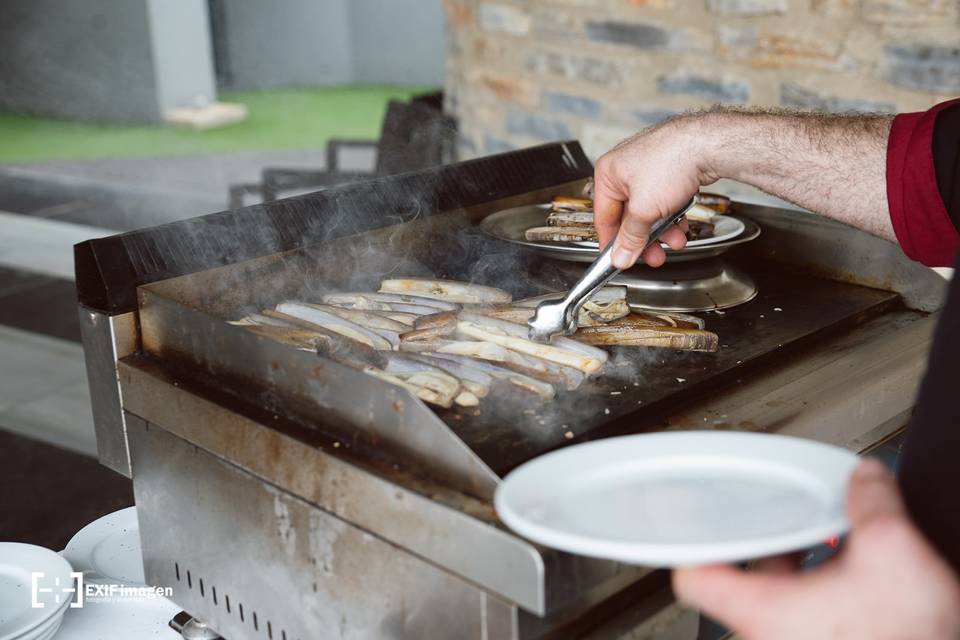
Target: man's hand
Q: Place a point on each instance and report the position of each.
(832, 165)
(639, 181)
(888, 583)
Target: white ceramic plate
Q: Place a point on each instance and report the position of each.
(48, 629)
(682, 498)
(727, 228)
(18, 562)
(108, 550)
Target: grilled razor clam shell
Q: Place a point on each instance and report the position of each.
(683, 319)
(699, 230)
(428, 333)
(438, 382)
(588, 189)
(489, 352)
(485, 350)
(362, 317)
(570, 377)
(403, 365)
(568, 203)
(718, 202)
(441, 318)
(557, 375)
(385, 308)
(471, 377)
(264, 320)
(336, 324)
(431, 377)
(403, 318)
(300, 338)
(560, 234)
(450, 291)
(392, 298)
(701, 213)
(665, 337)
(570, 219)
(543, 390)
(425, 394)
(656, 319)
(467, 399)
(335, 346)
(514, 336)
(386, 303)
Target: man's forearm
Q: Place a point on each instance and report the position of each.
(833, 165)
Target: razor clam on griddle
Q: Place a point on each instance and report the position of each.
(446, 290)
(543, 390)
(514, 336)
(336, 324)
(447, 341)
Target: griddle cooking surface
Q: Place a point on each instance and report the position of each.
(623, 401)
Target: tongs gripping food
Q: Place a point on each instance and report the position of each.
(559, 317)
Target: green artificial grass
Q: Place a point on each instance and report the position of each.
(277, 120)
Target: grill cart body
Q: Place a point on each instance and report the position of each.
(285, 496)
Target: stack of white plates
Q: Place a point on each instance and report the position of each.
(21, 617)
(108, 550)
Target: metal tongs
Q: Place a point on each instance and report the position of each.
(559, 317)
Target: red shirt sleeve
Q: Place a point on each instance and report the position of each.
(920, 220)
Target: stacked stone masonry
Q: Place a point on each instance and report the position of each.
(522, 72)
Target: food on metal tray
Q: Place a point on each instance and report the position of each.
(449, 342)
(717, 202)
(700, 230)
(560, 234)
(567, 203)
(571, 218)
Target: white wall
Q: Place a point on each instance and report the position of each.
(182, 54)
(398, 42)
(108, 60)
(299, 43)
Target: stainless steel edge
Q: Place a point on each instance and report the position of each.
(105, 340)
(840, 252)
(255, 562)
(852, 391)
(425, 526)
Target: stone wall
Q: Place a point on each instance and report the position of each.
(521, 72)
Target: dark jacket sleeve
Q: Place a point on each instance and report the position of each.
(918, 208)
(930, 467)
(929, 471)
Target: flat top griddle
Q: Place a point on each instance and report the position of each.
(641, 385)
